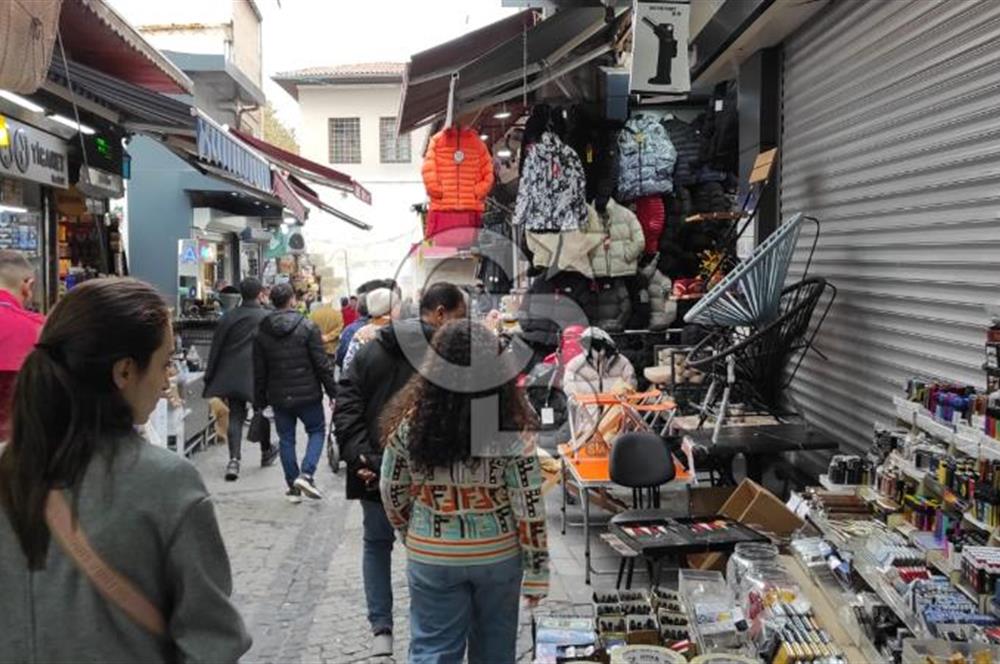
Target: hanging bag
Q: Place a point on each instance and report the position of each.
(260, 429)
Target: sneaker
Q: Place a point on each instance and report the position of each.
(294, 496)
(268, 455)
(305, 484)
(233, 470)
(382, 644)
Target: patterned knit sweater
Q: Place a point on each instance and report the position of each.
(480, 511)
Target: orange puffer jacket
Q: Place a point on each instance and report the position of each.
(457, 182)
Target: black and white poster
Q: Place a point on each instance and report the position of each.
(660, 47)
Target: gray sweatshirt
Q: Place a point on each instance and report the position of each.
(149, 516)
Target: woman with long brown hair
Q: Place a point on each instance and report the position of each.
(461, 481)
(109, 546)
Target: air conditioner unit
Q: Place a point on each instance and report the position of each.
(296, 243)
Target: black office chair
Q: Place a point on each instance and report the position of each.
(641, 461)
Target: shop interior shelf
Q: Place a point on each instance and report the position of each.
(824, 481)
(907, 467)
(869, 572)
(970, 518)
(939, 561)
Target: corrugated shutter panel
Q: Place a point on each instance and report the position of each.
(891, 138)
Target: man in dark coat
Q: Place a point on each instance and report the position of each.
(377, 373)
(291, 371)
(229, 375)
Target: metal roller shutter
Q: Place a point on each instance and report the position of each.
(891, 137)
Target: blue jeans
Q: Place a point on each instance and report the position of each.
(454, 606)
(376, 565)
(313, 419)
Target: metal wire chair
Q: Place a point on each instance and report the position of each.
(750, 294)
(752, 363)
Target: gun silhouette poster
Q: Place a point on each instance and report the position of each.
(660, 47)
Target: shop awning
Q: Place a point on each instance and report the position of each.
(428, 73)
(294, 193)
(134, 107)
(554, 47)
(305, 169)
(96, 35)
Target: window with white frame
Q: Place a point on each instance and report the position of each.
(392, 149)
(345, 140)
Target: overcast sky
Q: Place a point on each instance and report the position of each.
(309, 33)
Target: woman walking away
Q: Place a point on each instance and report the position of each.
(466, 495)
(109, 546)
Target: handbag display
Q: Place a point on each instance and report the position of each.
(111, 585)
(260, 429)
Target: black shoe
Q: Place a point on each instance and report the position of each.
(268, 455)
(293, 495)
(233, 470)
(304, 483)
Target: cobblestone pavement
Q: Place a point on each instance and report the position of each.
(297, 568)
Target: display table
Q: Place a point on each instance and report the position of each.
(761, 445)
(590, 474)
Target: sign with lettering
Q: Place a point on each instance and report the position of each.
(218, 147)
(660, 47)
(34, 155)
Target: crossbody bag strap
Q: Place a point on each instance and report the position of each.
(114, 587)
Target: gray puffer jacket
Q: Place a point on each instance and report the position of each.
(149, 516)
(599, 369)
(663, 310)
(646, 159)
(619, 256)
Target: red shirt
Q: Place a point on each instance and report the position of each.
(19, 330)
(350, 314)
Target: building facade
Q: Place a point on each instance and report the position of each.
(349, 122)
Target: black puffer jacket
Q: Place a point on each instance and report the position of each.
(687, 142)
(378, 372)
(291, 367)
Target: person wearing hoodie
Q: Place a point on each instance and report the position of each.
(291, 372)
(599, 369)
(379, 370)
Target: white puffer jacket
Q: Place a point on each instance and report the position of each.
(619, 256)
(600, 368)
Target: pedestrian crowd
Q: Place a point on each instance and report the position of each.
(109, 546)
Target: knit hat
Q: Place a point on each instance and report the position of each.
(379, 302)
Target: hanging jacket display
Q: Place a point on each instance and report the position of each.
(552, 304)
(646, 159)
(551, 192)
(624, 241)
(687, 142)
(457, 171)
(614, 306)
(650, 212)
(663, 310)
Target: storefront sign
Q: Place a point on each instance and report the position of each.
(660, 47)
(34, 155)
(218, 147)
(95, 182)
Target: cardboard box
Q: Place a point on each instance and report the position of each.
(754, 506)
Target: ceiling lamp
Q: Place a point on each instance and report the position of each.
(484, 137)
(72, 124)
(21, 101)
(503, 113)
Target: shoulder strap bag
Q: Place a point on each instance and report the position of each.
(114, 587)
